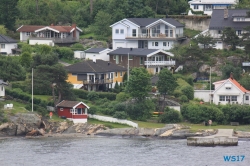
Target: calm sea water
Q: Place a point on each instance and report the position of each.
(102, 151)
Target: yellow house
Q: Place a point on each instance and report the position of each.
(95, 75)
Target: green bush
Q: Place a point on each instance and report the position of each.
(183, 98)
(120, 115)
(92, 96)
(188, 91)
(122, 96)
(79, 93)
(119, 107)
(93, 109)
(108, 95)
(177, 93)
(65, 52)
(170, 116)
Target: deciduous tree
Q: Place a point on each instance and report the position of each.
(229, 37)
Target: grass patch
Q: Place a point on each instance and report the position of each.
(17, 107)
(190, 33)
(196, 127)
(107, 124)
(44, 97)
(87, 36)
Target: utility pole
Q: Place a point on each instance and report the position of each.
(32, 92)
(128, 67)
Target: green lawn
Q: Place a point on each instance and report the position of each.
(17, 107)
(86, 36)
(107, 124)
(44, 97)
(149, 124)
(196, 127)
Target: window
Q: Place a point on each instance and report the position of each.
(130, 57)
(196, 6)
(27, 33)
(2, 45)
(121, 58)
(117, 31)
(171, 33)
(238, 19)
(208, 8)
(165, 44)
(156, 70)
(134, 32)
(234, 98)
(2, 88)
(121, 31)
(238, 32)
(219, 31)
(116, 74)
(168, 44)
(71, 111)
(166, 30)
(222, 98)
(120, 74)
(74, 74)
(141, 61)
(114, 57)
(247, 97)
(61, 109)
(156, 43)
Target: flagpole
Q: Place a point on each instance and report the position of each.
(32, 92)
(210, 85)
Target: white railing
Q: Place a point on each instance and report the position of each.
(113, 120)
(153, 35)
(159, 63)
(216, 35)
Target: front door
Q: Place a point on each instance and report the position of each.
(79, 111)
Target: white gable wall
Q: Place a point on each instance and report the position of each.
(8, 47)
(103, 56)
(222, 91)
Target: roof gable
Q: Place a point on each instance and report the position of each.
(218, 2)
(70, 104)
(37, 28)
(143, 22)
(6, 39)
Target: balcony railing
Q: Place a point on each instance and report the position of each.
(153, 35)
(159, 63)
(98, 81)
(56, 40)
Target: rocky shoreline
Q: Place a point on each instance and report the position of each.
(32, 125)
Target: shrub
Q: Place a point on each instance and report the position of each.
(122, 96)
(177, 93)
(120, 115)
(188, 91)
(120, 107)
(108, 95)
(170, 116)
(93, 109)
(92, 96)
(65, 52)
(80, 93)
(183, 98)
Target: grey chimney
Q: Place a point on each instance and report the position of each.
(225, 13)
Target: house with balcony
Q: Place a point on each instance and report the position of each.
(7, 45)
(50, 35)
(152, 59)
(95, 75)
(147, 33)
(207, 6)
(237, 19)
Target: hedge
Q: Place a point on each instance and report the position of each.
(84, 94)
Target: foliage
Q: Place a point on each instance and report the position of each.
(25, 59)
(120, 115)
(166, 83)
(236, 113)
(190, 32)
(170, 116)
(3, 30)
(122, 96)
(65, 52)
(92, 96)
(11, 69)
(102, 22)
(93, 109)
(229, 37)
(116, 88)
(8, 17)
(139, 83)
(205, 40)
(245, 81)
(196, 113)
(26, 48)
(183, 98)
(44, 49)
(79, 93)
(188, 91)
(245, 40)
(49, 59)
(228, 69)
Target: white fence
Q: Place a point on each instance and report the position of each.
(113, 120)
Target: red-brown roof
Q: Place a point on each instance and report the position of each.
(238, 85)
(69, 104)
(33, 28)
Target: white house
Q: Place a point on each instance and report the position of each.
(222, 18)
(2, 89)
(79, 54)
(207, 6)
(226, 92)
(97, 53)
(151, 33)
(7, 44)
(50, 35)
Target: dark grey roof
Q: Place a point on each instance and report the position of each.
(3, 83)
(6, 39)
(90, 67)
(143, 22)
(95, 50)
(219, 23)
(69, 104)
(133, 51)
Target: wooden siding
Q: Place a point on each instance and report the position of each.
(73, 79)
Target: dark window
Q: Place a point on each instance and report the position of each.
(133, 32)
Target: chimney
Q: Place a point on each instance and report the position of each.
(131, 49)
(74, 32)
(231, 75)
(225, 13)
